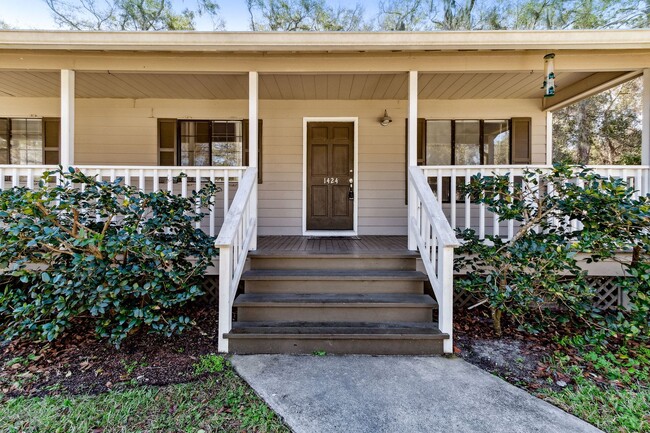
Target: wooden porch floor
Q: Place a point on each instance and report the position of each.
(332, 245)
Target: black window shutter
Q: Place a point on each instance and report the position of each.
(520, 140)
(167, 142)
(51, 140)
(4, 141)
(245, 151)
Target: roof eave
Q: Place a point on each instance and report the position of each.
(325, 41)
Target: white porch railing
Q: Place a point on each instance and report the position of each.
(436, 242)
(460, 211)
(234, 241)
(148, 179)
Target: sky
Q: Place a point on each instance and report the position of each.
(34, 14)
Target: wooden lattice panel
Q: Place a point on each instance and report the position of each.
(210, 286)
(608, 292)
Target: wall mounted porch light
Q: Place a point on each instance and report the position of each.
(549, 75)
(386, 120)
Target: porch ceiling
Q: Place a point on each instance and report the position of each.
(360, 86)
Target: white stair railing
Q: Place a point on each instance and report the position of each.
(234, 241)
(436, 242)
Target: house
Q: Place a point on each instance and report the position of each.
(338, 155)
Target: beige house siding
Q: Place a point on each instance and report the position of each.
(123, 132)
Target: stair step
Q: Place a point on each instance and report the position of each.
(340, 330)
(302, 300)
(334, 286)
(332, 274)
(323, 307)
(339, 262)
(394, 338)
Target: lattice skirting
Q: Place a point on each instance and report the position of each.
(210, 286)
(608, 294)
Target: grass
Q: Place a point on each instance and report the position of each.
(221, 403)
(613, 393)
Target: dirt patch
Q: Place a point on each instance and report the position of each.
(80, 363)
(517, 357)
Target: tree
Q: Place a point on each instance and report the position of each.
(304, 15)
(132, 15)
(538, 268)
(602, 129)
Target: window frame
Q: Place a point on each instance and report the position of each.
(481, 139)
(244, 134)
(446, 182)
(210, 122)
(44, 148)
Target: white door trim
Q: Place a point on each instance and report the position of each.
(355, 177)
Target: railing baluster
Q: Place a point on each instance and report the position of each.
(468, 203)
(226, 191)
(213, 205)
(452, 198)
(198, 200)
(511, 188)
(155, 181)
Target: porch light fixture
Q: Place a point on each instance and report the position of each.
(386, 120)
(549, 75)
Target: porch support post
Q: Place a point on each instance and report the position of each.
(412, 153)
(253, 145)
(67, 118)
(645, 103)
(549, 138)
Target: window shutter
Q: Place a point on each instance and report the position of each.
(51, 140)
(167, 142)
(245, 152)
(422, 142)
(4, 141)
(521, 140)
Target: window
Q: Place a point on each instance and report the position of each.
(29, 141)
(472, 142)
(467, 142)
(206, 143)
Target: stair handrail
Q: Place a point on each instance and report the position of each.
(234, 241)
(436, 241)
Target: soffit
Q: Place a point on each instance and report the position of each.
(523, 85)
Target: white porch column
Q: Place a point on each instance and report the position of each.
(66, 150)
(645, 103)
(253, 116)
(412, 151)
(549, 138)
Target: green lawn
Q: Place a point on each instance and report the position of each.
(223, 403)
(611, 387)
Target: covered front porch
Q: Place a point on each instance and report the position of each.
(422, 120)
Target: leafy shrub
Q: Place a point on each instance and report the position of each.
(210, 363)
(80, 249)
(538, 268)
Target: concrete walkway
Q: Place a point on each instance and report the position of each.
(359, 394)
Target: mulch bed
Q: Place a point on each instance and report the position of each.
(518, 357)
(80, 363)
(522, 358)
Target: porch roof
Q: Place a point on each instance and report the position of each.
(325, 41)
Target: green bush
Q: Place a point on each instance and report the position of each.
(538, 268)
(78, 249)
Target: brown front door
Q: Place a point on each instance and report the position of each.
(330, 171)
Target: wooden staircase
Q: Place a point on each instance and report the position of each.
(372, 303)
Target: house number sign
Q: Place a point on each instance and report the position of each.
(331, 180)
